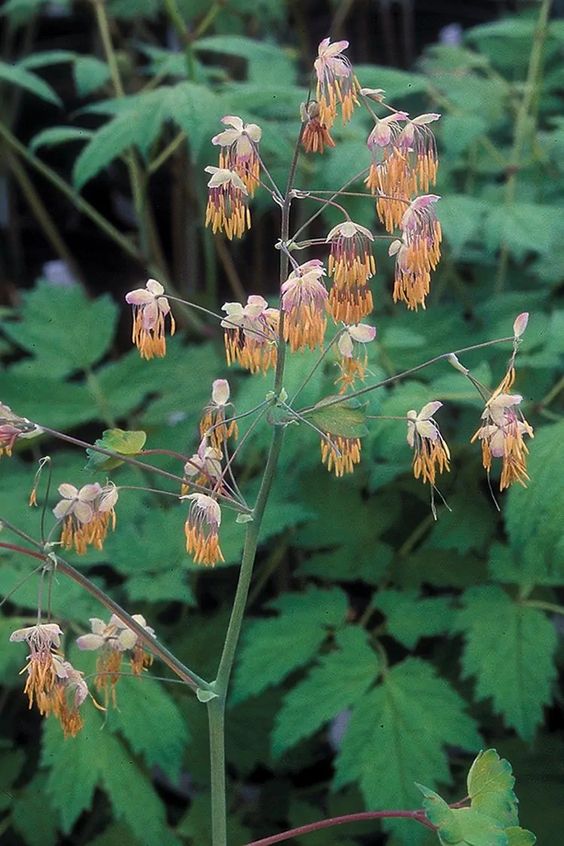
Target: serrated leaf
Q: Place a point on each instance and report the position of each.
(399, 730)
(443, 817)
(490, 787)
(33, 818)
(317, 699)
(346, 418)
(89, 74)
(117, 440)
(267, 63)
(410, 617)
(18, 75)
(54, 135)
(533, 517)
(88, 327)
(303, 620)
(141, 701)
(510, 649)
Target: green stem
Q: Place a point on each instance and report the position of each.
(544, 606)
(522, 126)
(81, 204)
(216, 706)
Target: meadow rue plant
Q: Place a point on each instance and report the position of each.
(324, 305)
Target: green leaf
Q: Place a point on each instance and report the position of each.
(396, 83)
(462, 219)
(89, 74)
(33, 818)
(54, 135)
(459, 131)
(443, 817)
(399, 730)
(141, 701)
(410, 617)
(490, 787)
(346, 418)
(517, 836)
(534, 517)
(267, 63)
(510, 649)
(45, 58)
(116, 440)
(303, 621)
(524, 227)
(97, 758)
(196, 109)
(52, 402)
(86, 336)
(18, 75)
(317, 699)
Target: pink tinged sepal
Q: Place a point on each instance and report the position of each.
(362, 332)
(47, 633)
(520, 324)
(220, 392)
(429, 410)
(90, 642)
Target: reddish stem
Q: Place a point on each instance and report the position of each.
(417, 816)
(15, 548)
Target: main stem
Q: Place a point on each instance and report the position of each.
(216, 706)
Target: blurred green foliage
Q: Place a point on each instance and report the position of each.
(381, 648)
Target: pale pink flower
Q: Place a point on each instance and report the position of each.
(202, 529)
(304, 301)
(239, 149)
(150, 307)
(431, 453)
(336, 82)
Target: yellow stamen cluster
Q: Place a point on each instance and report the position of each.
(351, 370)
(254, 354)
(79, 536)
(213, 426)
(203, 546)
(340, 454)
(430, 457)
(140, 660)
(108, 666)
(227, 214)
(316, 136)
(351, 264)
(350, 303)
(304, 326)
(393, 184)
(151, 342)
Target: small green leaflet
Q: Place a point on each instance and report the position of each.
(491, 818)
(410, 616)
(19, 75)
(510, 649)
(347, 418)
(117, 440)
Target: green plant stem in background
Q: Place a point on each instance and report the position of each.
(42, 216)
(82, 205)
(523, 125)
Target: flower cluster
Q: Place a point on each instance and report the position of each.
(203, 467)
(430, 451)
(251, 334)
(112, 640)
(501, 435)
(202, 529)
(86, 514)
(239, 150)
(213, 425)
(336, 82)
(353, 356)
(418, 252)
(351, 264)
(304, 301)
(150, 308)
(52, 684)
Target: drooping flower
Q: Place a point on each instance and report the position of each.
(42, 640)
(227, 210)
(430, 451)
(315, 135)
(66, 697)
(418, 252)
(340, 454)
(113, 639)
(353, 355)
(351, 263)
(86, 514)
(336, 82)
(203, 468)
(212, 424)
(418, 143)
(12, 428)
(201, 529)
(150, 308)
(501, 435)
(251, 334)
(239, 150)
(390, 178)
(304, 302)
